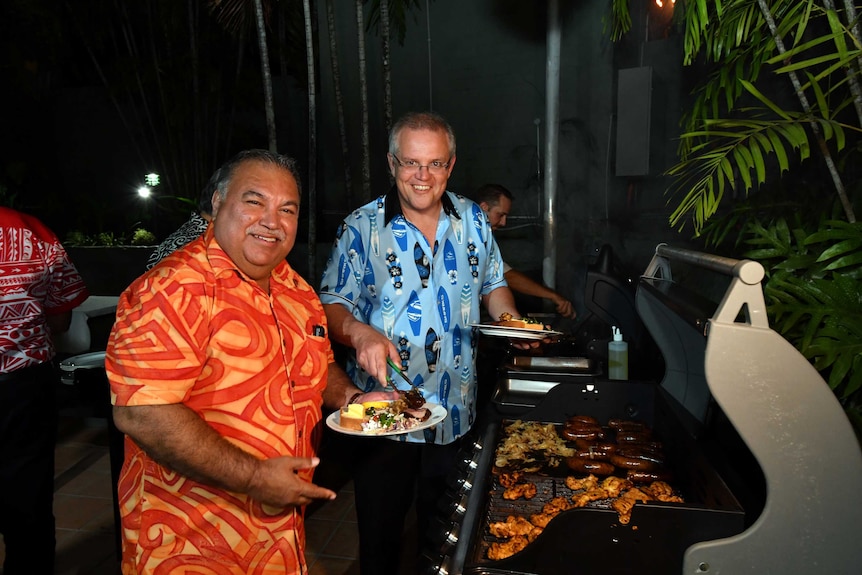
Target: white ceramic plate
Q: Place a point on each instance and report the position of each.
(514, 332)
(438, 414)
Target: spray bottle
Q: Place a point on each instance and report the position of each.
(618, 356)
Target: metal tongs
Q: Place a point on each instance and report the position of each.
(397, 370)
(413, 397)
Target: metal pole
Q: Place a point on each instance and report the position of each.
(552, 105)
(428, 33)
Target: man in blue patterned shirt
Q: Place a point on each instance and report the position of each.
(404, 281)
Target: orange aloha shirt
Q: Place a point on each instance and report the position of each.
(195, 330)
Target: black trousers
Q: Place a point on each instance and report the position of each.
(389, 475)
(28, 434)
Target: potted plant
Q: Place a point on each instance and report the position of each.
(109, 262)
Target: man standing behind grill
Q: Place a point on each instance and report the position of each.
(404, 281)
(496, 201)
(39, 287)
(219, 364)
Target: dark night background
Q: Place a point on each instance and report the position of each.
(98, 93)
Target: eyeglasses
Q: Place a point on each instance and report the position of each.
(412, 166)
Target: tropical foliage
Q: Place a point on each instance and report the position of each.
(139, 237)
(813, 285)
(779, 114)
(782, 84)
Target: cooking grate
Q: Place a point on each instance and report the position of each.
(657, 533)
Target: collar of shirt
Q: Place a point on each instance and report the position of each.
(221, 263)
(393, 206)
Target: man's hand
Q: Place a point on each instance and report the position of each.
(176, 437)
(526, 343)
(372, 349)
(564, 307)
(276, 483)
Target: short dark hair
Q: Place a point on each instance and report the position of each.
(421, 121)
(490, 194)
(220, 180)
(205, 201)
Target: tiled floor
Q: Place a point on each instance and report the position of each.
(83, 507)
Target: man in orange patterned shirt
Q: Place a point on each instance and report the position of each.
(219, 365)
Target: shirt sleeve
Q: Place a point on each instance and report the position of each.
(494, 267)
(67, 289)
(339, 284)
(156, 349)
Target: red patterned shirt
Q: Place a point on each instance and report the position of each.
(195, 330)
(36, 279)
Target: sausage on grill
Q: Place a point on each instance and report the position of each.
(583, 465)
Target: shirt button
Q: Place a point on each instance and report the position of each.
(292, 383)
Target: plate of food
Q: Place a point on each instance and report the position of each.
(381, 418)
(514, 328)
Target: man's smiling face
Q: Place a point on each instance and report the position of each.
(420, 191)
(257, 220)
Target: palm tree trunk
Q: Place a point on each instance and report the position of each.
(803, 100)
(283, 62)
(363, 99)
(339, 101)
(387, 68)
(173, 173)
(269, 106)
(232, 115)
(127, 123)
(197, 125)
(312, 143)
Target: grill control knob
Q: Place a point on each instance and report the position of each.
(443, 568)
(453, 534)
(461, 485)
(460, 507)
(468, 464)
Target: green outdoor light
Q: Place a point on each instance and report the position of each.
(152, 179)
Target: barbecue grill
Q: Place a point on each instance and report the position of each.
(759, 448)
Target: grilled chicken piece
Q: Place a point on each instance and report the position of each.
(623, 505)
(513, 525)
(556, 505)
(615, 485)
(581, 499)
(588, 482)
(663, 492)
(550, 510)
(542, 519)
(636, 494)
(525, 490)
(510, 479)
(505, 549)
